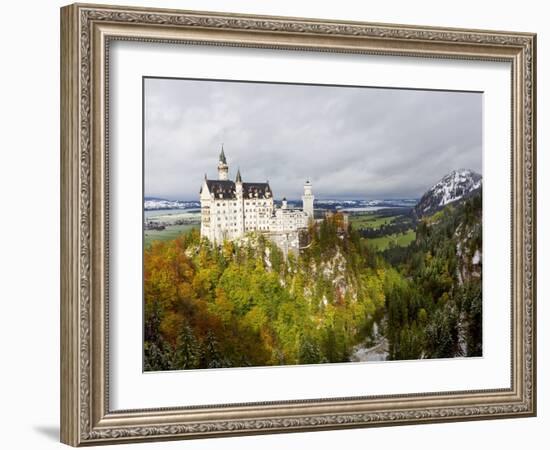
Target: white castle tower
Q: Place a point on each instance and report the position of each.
(307, 200)
(223, 168)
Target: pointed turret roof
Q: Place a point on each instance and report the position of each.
(222, 156)
(239, 179)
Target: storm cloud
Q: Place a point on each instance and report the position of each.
(351, 142)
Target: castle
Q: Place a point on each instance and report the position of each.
(231, 209)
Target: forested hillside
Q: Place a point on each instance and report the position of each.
(434, 306)
(244, 304)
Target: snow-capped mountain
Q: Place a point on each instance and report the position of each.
(155, 203)
(151, 203)
(457, 185)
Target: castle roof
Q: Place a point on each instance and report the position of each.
(260, 190)
(225, 189)
(222, 156)
(221, 188)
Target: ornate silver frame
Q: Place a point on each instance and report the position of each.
(86, 31)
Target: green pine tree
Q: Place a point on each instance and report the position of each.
(187, 353)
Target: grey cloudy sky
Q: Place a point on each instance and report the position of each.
(350, 142)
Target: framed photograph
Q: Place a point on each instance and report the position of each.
(276, 224)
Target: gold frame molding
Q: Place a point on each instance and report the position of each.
(86, 31)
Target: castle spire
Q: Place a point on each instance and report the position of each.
(239, 179)
(223, 168)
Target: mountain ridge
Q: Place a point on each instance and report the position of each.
(456, 185)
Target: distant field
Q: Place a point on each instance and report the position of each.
(362, 220)
(401, 240)
(167, 234)
(370, 220)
